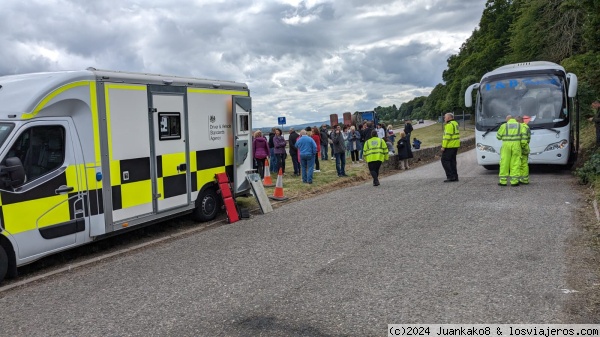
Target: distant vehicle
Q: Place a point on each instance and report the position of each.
(544, 94)
(362, 116)
(421, 121)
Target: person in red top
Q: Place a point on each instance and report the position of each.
(317, 138)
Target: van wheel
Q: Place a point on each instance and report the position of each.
(491, 167)
(207, 205)
(3, 263)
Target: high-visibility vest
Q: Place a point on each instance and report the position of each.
(510, 132)
(525, 139)
(375, 149)
(526, 132)
(451, 138)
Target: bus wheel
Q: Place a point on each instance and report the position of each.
(207, 205)
(491, 167)
(3, 263)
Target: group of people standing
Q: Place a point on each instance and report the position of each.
(367, 143)
(374, 147)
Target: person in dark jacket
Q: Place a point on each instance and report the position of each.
(596, 120)
(324, 140)
(294, 151)
(404, 151)
(272, 159)
(354, 144)
(408, 128)
(366, 132)
(260, 146)
(279, 143)
(339, 150)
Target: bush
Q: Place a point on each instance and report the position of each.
(590, 170)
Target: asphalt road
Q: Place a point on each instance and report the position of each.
(346, 263)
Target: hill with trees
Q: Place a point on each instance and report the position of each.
(511, 31)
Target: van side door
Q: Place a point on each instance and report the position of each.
(46, 212)
(169, 147)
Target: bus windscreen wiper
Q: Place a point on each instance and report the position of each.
(547, 128)
(492, 129)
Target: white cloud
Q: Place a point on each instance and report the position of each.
(301, 59)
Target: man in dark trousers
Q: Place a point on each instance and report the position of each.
(294, 151)
(450, 145)
(375, 152)
(408, 128)
(324, 141)
(596, 120)
(272, 159)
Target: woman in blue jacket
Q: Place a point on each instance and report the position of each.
(307, 149)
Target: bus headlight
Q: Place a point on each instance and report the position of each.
(485, 148)
(557, 146)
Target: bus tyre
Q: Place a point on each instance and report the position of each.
(207, 205)
(3, 263)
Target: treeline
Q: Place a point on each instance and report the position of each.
(561, 31)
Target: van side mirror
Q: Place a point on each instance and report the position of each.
(12, 172)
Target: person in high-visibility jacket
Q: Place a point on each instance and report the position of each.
(525, 135)
(450, 145)
(510, 152)
(375, 152)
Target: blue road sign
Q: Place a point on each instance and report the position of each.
(281, 120)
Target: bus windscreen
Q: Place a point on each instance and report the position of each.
(539, 99)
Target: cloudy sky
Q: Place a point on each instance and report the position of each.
(301, 59)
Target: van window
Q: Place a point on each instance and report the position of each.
(41, 149)
(5, 129)
(169, 125)
(243, 124)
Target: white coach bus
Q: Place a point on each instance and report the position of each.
(544, 94)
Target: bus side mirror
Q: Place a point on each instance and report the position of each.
(572, 84)
(469, 94)
(13, 173)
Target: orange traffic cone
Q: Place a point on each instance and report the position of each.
(267, 181)
(278, 194)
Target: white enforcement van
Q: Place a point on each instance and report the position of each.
(87, 154)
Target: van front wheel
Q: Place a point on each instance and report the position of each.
(3, 263)
(207, 205)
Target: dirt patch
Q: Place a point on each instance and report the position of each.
(583, 256)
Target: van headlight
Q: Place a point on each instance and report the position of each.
(485, 148)
(557, 146)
